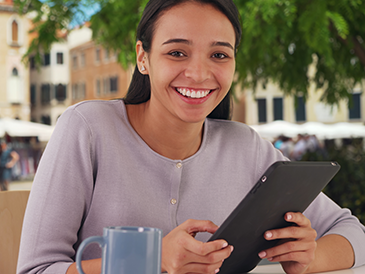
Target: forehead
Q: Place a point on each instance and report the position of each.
(192, 20)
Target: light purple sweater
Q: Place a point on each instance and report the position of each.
(96, 171)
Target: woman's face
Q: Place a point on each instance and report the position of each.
(191, 63)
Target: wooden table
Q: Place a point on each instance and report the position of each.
(276, 269)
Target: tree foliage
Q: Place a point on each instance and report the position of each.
(281, 39)
(347, 188)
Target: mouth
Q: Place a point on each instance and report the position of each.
(194, 93)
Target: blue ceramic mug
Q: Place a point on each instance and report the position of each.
(127, 250)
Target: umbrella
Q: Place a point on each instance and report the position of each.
(20, 128)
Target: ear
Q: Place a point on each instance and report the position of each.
(141, 58)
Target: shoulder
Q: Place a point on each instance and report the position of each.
(97, 108)
(230, 130)
(239, 138)
(91, 118)
(94, 112)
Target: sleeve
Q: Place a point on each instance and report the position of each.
(59, 198)
(328, 218)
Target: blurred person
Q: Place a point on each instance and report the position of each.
(8, 159)
(287, 146)
(300, 148)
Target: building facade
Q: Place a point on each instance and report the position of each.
(96, 74)
(14, 74)
(270, 104)
(49, 85)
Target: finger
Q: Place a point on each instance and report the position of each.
(298, 218)
(195, 268)
(194, 226)
(289, 247)
(293, 232)
(303, 258)
(203, 249)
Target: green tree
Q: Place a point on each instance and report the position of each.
(281, 39)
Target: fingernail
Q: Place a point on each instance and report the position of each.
(268, 234)
(262, 254)
(232, 248)
(269, 259)
(225, 244)
(217, 270)
(289, 217)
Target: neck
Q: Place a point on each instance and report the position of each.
(173, 139)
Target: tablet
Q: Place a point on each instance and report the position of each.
(285, 186)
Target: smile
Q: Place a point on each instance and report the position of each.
(192, 93)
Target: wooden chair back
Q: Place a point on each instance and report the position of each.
(12, 209)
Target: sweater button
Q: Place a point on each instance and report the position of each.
(173, 201)
(179, 165)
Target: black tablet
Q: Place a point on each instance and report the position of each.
(285, 186)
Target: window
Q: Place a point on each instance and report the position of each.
(278, 109)
(106, 85)
(97, 55)
(98, 88)
(74, 62)
(74, 91)
(14, 32)
(106, 54)
(261, 104)
(60, 58)
(33, 94)
(45, 94)
(14, 72)
(355, 106)
(61, 92)
(114, 84)
(32, 62)
(82, 59)
(300, 114)
(46, 119)
(47, 59)
(82, 94)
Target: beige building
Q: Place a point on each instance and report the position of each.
(270, 104)
(49, 84)
(96, 74)
(14, 75)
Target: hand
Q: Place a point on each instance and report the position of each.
(297, 250)
(181, 253)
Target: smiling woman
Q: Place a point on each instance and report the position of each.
(157, 158)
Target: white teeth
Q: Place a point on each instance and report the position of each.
(192, 93)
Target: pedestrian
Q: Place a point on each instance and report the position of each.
(8, 159)
(154, 159)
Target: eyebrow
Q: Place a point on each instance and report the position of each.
(188, 42)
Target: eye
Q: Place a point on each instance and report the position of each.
(219, 55)
(176, 53)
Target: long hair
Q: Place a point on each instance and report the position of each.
(139, 90)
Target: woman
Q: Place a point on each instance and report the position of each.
(153, 159)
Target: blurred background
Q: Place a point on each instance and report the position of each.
(299, 82)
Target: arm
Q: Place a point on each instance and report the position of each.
(14, 159)
(333, 252)
(59, 200)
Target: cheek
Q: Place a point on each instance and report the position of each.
(162, 73)
(225, 77)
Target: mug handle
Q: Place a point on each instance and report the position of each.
(83, 245)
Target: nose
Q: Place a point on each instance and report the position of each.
(198, 69)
